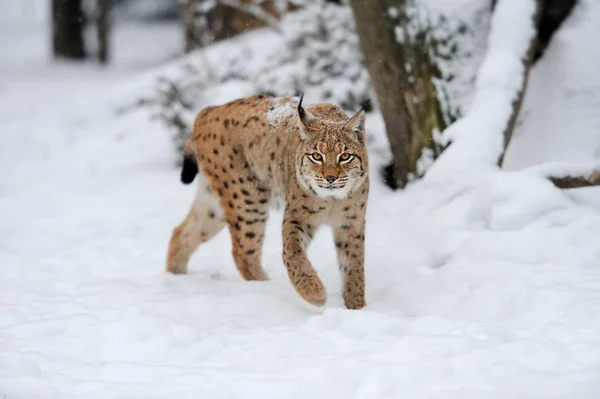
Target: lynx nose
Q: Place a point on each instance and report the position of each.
(330, 179)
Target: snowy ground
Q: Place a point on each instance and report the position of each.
(487, 286)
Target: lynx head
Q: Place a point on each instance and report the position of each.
(331, 160)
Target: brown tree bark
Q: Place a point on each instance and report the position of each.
(67, 29)
(401, 75)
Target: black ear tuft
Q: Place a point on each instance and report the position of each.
(366, 104)
(301, 111)
(189, 169)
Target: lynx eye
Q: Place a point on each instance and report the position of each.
(345, 157)
(316, 157)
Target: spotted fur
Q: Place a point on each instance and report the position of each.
(253, 149)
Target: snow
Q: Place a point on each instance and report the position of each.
(484, 284)
(281, 109)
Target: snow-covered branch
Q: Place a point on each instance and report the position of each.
(565, 175)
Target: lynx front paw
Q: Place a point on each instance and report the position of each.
(354, 302)
(354, 293)
(311, 289)
(256, 274)
(176, 268)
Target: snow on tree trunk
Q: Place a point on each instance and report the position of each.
(527, 60)
(549, 16)
(478, 139)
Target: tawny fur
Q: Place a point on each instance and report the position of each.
(255, 148)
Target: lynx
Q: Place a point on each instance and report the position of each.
(257, 148)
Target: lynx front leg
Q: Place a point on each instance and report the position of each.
(349, 242)
(247, 235)
(247, 209)
(297, 235)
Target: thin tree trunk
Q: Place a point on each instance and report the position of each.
(103, 29)
(187, 9)
(401, 74)
(67, 29)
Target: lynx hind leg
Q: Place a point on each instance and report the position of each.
(203, 221)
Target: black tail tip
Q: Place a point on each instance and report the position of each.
(189, 169)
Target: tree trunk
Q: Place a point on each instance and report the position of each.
(192, 39)
(67, 29)
(401, 75)
(221, 22)
(102, 26)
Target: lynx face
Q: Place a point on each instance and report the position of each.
(331, 160)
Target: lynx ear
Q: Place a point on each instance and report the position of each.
(305, 119)
(356, 125)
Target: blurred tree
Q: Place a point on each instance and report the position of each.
(68, 24)
(103, 28)
(207, 21)
(193, 38)
(67, 29)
